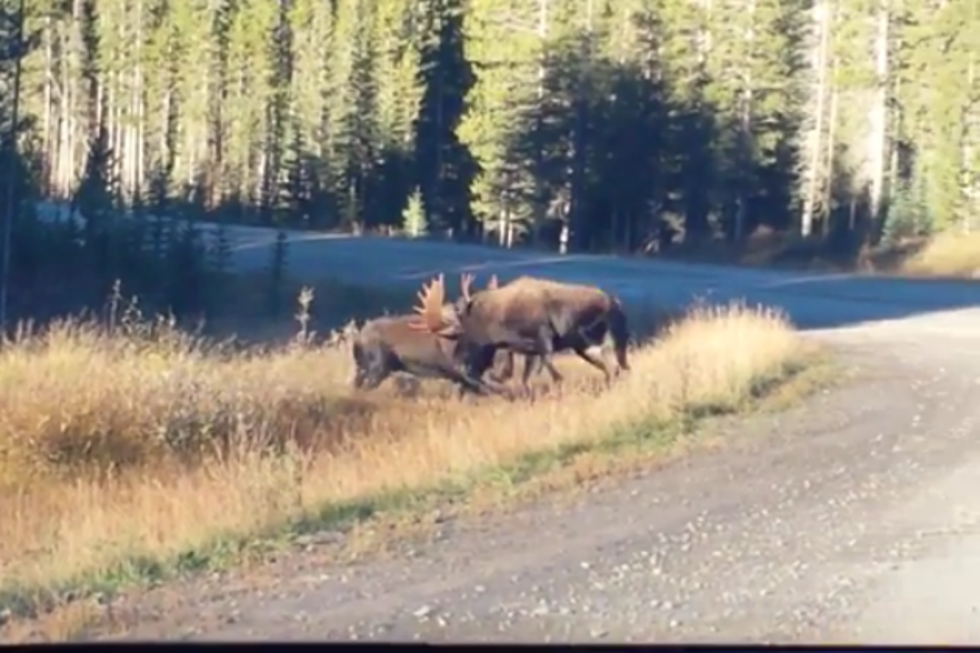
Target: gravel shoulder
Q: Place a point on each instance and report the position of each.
(825, 523)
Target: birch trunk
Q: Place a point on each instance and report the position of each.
(831, 149)
(879, 117)
(823, 11)
(48, 142)
(138, 110)
(542, 36)
(970, 185)
(745, 120)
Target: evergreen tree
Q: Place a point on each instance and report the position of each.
(577, 125)
(413, 216)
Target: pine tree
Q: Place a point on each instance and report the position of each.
(506, 43)
(611, 123)
(444, 165)
(311, 89)
(413, 215)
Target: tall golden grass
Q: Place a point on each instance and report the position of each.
(137, 444)
(951, 254)
(948, 254)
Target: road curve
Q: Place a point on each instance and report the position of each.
(854, 518)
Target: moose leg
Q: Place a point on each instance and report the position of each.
(546, 348)
(467, 385)
(508, 368)
(480, 361)
(556, 376)
(469, 382)
(477, 386)
(552, 370)
(472, 378)
(588, 344)
(532, 365)
(596, 361)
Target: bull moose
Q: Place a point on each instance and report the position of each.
(389, 344)
(530, 316)
(504, 358)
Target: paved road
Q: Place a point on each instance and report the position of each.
(855, 518)
(814, 300)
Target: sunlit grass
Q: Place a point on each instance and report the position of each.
(135, 447)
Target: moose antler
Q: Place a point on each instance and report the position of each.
(465, 282)
(429, 308)
(493, 284)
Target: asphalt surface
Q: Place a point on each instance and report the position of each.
(855, 518)
(813, 300)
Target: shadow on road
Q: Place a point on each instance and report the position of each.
(812, 300)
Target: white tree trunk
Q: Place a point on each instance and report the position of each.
(48, 141)
(970, 185)
(878, 144)
(830, 150)
(746, 123)
(822, 14)
(538, 217)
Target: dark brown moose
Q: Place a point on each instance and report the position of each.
(390, 344)
(529, 316)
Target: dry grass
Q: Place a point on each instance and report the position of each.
(949, 254)
(128, 450)
(767, 248)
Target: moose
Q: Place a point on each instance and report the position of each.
(390, 344)
(504, 358)
(531, 316)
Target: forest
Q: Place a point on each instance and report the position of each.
(586, 125)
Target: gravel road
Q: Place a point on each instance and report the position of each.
(854, 518)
